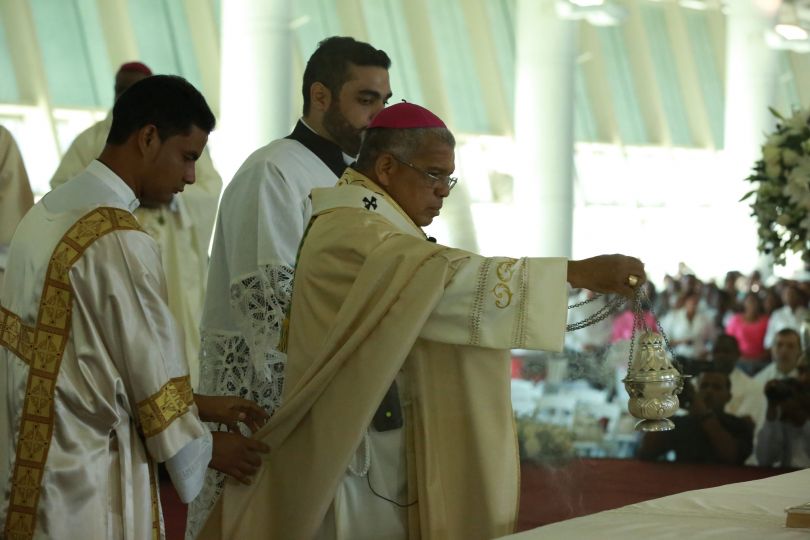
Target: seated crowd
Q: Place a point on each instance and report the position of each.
(748, 400)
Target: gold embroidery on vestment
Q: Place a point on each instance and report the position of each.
(503, 294)
(41, 347)
(478, 302)
(156, 412)
(519, 332)
(153, 495)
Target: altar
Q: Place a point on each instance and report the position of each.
(744, 511)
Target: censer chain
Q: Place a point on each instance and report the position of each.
(612, 306)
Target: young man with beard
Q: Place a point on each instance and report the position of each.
(262, 217)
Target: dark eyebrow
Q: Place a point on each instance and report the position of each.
(374, 94)
(439, 171)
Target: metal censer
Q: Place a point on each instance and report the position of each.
(653, 383)
(652, 380)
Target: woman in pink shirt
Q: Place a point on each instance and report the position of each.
(623, 322)
(749, 328)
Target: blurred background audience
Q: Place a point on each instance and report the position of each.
(740, 339)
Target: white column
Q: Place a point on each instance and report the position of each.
(203, 27)
(751, 68)
(256, 79)
(544, 128)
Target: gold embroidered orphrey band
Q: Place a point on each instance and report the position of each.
(156, 412)
(42, 347)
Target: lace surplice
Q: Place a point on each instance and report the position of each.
(245, 364)
(248, 364)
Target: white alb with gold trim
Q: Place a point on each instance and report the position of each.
(96, 388)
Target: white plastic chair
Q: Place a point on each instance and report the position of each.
(557, 409)
(525, 396)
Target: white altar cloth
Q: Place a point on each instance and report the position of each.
(745, 511)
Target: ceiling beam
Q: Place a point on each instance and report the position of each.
(202, 25)
(688, 76)
(29, 70)
(352, 22)
(423, 44)
(716, 22)
(592, 61)
(118, 32)
(647, 85)
(488, 74)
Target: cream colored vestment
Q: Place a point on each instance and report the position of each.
(16, 197)
(182, 231)
(373, 298)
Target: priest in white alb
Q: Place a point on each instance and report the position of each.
(182, 227)
(262, 217)
(96, 389)
(396, 419)
(15, 193)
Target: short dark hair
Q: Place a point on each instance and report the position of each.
(789, 332)
(168, 102)
(329, 64)
(757, 298)
(403, 143)
(727, 339)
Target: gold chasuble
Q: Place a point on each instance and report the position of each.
(374, 300)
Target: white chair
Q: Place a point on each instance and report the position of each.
(594, 424)
(589, 395)
(525, 396)
(605, 415)
(557, 409)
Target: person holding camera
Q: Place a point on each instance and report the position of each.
(745, 393)
(784, 440)
(707, 434)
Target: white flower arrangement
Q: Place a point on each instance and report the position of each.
(782, 195)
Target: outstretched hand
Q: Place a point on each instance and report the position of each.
(607, 274)
(230, 410)
(236, 455)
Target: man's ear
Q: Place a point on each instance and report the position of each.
(384, 168)
(148, 139)
(320, 97)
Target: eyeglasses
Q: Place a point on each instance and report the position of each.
(434, 179)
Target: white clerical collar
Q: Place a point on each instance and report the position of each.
(115, 183)
(358, 196)
(346, 157)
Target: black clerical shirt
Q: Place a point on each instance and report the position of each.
(326, 150)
